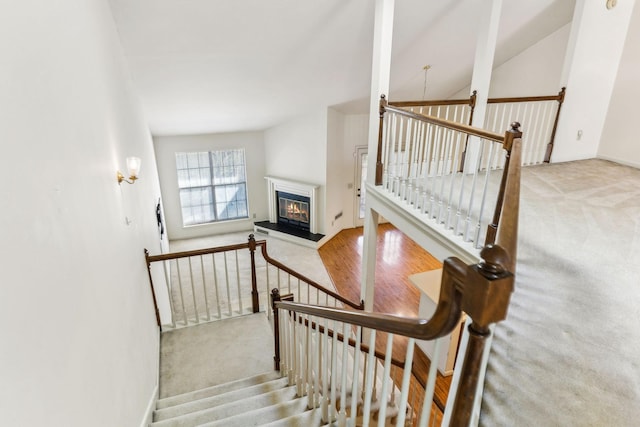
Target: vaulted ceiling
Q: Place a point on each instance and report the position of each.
(213, 66)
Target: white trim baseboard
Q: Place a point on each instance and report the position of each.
(620, 161)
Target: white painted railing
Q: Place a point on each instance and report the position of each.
(217, 283)
(348, 380)
(538, 116)
(321, 350)
(441, 169)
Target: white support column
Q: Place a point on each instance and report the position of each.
(369, 257)
(483, 65)
(482, 68)
(380, 72)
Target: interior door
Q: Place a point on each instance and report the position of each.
(360, 179)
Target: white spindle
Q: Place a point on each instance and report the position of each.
(325, 372)
(369, 381)
(406, 380)
(356, 371)
(226, 279)
(334, 372)
(166, 265)
(382, 414)
(342, 415)
(193, 292)
(184, 311)
(215, 284)
(204, 288)
(310, 366)
(431, 383)
(240, 310)
(300, 361)
(487, 175)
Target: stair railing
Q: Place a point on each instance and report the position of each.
(330, 373)
(226, 281)
(539, 115)
(419, 160)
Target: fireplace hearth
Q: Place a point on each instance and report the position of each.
(292, 212)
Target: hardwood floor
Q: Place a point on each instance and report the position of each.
(398, 257)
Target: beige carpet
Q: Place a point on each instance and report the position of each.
(569, 352)
(228, 291)
(215, 353)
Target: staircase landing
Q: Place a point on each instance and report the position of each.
(215, 353)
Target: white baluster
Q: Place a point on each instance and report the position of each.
(384, 402)
(406, 380)
(369, 381)
(204, 289)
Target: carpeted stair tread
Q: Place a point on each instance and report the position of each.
(230, 410)
(261, 416)
(219, 399)
(305, 419)
(216, 390)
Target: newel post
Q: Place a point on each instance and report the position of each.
(379, 165)
(492, 229)
(547, 154)
(486, 296)
(275, 297)
(153, 292)
(254, 281)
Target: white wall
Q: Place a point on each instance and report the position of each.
(356, 131)
(336, 173)
(167, 146)
(534, 71)
(297, 150)
(79, 337)
(619, 141)
(593, 55)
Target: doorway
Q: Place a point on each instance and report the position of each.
(360, 179)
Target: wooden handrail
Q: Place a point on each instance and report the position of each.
(251, 246)
(314, 284)
(197, 252)
(443, 321)
(482, 291)
(276, 297)
(470, 130)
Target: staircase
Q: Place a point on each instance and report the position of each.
(261, 400)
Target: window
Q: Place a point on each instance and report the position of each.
(213, 186)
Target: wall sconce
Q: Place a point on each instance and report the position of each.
(133, 166)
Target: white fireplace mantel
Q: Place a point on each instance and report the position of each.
(299, 188)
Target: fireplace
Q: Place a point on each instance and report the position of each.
(293, 210)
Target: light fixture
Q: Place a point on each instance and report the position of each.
(133, 166)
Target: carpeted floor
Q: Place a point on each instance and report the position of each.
(569, 352)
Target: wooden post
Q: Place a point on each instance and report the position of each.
(486, 296)
(472, 106)
(547, 155)
(488, 286)
(379, 164)
(153, 292)
(275, 297)
(254, 281)
(492, 229)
